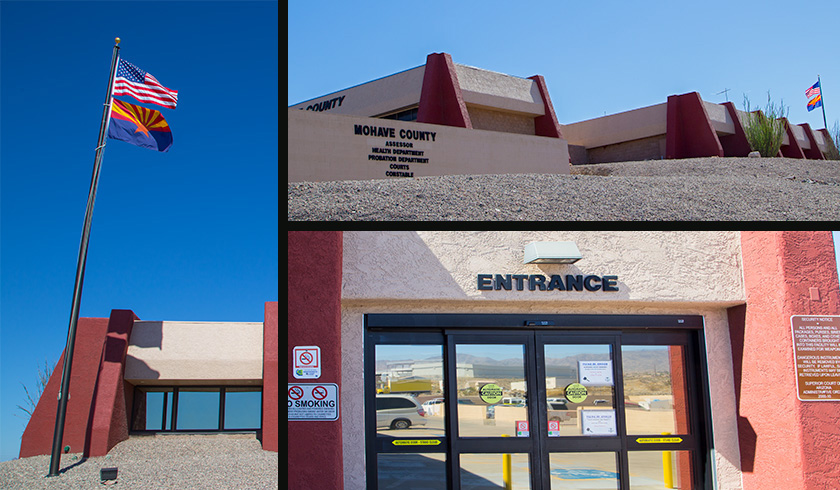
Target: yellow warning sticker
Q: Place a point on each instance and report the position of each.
(659, 440)
(416, 442)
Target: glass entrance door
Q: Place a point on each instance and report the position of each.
(540, 409)
(493, 444)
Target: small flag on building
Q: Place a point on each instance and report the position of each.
(143, 86)
(814, 90)
(139, 126)
(814, 103)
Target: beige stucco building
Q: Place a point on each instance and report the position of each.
(486, 122)
(637, 360)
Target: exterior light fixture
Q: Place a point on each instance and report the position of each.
(107, 474)
(552, 253)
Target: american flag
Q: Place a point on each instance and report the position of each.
(142, 86)
(814, 90)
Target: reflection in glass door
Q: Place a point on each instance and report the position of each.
(657, 407)
(492, 391)
(581, 422)
(537, 409)
(494, 446)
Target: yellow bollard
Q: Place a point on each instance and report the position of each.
(667, 466)
(506, 469)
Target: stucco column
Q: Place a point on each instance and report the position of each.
(315, 268)
(783, 441)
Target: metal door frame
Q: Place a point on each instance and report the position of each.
(536, 330)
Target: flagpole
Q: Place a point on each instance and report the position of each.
(64, 390)
(822, 99)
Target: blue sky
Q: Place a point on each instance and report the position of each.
(191, 234)
(597, 57)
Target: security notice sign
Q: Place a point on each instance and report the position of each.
(307, 362)
(816, 352)
(313, 401)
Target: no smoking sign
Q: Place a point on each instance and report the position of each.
(307, 362)
(313, 401)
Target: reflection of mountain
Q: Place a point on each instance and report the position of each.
(489, 361)
(572, 361)
(635, 361)
(646, 361)
(390, 363)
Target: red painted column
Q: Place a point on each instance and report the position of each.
(792, 149)
(109, 420)
(315, 266)
(735, 145)
(441, 101)
(814, 153)
(547, 124)
(271, 375)
(784, 442)
(38, 435)
(689, 130)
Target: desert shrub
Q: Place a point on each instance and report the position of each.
(765, 129)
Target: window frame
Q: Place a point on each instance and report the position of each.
(174, 391)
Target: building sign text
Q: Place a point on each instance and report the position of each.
(816, 352)
(489, 282)
(397, 154)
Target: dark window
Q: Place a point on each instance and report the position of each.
(407, 115)
(215, 408)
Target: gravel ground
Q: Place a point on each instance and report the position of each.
(156, 463)
(692, 189)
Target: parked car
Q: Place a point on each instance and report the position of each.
(434, 406)
(399, 411)
(558, 411)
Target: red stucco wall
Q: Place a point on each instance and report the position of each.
(441, 101)
(689, 130)
(547, 124)
(87, 356)
(109, 424)
(271, 373)
(785, 443)
(314, 316)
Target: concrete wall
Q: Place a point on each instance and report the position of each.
(434, 272)
(178, 353)
(801, 139)
(686, 267)
(617, 128)
(506, 122)
(497, 90)
(380, 96)
(652, 148)
(720, 118)
(325, 147)
(693, 127)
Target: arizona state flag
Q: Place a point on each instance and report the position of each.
(139, 126)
